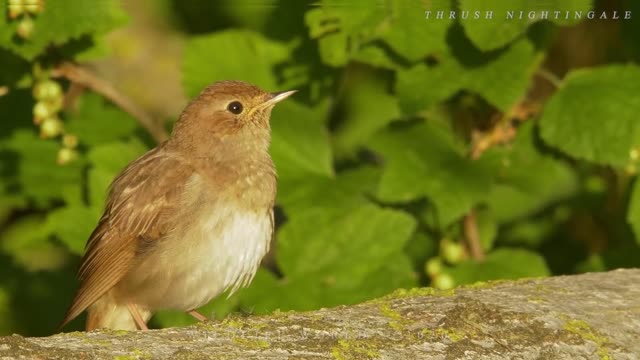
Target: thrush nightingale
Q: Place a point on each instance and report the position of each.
(189, 219)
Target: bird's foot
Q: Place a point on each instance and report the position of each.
(197, 315)
(133, 309)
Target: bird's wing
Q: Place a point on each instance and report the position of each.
(137, 212)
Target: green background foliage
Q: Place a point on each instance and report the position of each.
(381, 156)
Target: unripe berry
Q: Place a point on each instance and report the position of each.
(433, 267)
(55, 104)
(65, 156)
(41, 111)
(16, 8)
(443, 281)
(34, 7)
(452, 252)
(47, 90)
(25, 28)
(51, 127)
(70, 141)
(631, 169)
(15, 11)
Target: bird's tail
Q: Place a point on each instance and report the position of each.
(106, 313)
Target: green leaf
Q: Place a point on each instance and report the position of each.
(395, 272)
(27, 241)
(347, 32)
(25, 232)
(487, 228)
(594, 263)
(300, 141)
(341, 30)
(530, 233)
(410, 35)
(333, 49)
(422, 161)
(107, 161)
(507, 23)
(328, 198)
(421, 246)
(348, 189)
(86, 48)
(16, 109)
(527, 179)
(284, 294)
(7, 322)
(593, 116)
(376, 55)
(60, 21)
(264, 282)
(501, 77)
(232, 55)
(37, 175)
(502, 263)
(344, 243)
(633, 214)
(315, 291)
(631, 29)
(72, 225)
(95, 121)
(352, 18)
(248, 14)
(13, 68)
(367, 107)
(10, 201)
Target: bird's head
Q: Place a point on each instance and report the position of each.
(227, 109)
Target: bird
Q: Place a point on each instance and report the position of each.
(188, 220)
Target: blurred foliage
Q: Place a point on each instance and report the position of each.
(409, 140)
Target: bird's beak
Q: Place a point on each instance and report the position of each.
(276, 97)
(273, 98)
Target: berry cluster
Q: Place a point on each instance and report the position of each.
(49, 98)
(24, 9)
(452, 253)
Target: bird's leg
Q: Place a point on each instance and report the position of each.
(197, 315)
(136, 316)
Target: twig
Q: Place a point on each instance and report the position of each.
(85, 78)
(72, 95)
(503, 131)
(550, 77)
(472, 237)
(500, 133)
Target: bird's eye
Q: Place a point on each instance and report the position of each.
(235, 107)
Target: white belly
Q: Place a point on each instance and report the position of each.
(219, 249)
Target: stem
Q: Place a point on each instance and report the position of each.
(79, 75)
(472, 237)
(550, 77)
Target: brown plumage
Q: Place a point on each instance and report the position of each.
(187, 220)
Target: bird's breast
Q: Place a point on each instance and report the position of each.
(217, 245)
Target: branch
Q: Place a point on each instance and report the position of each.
(78, 75)
(552, 78)
(470, 228)
(590, 316)
(502, 132)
